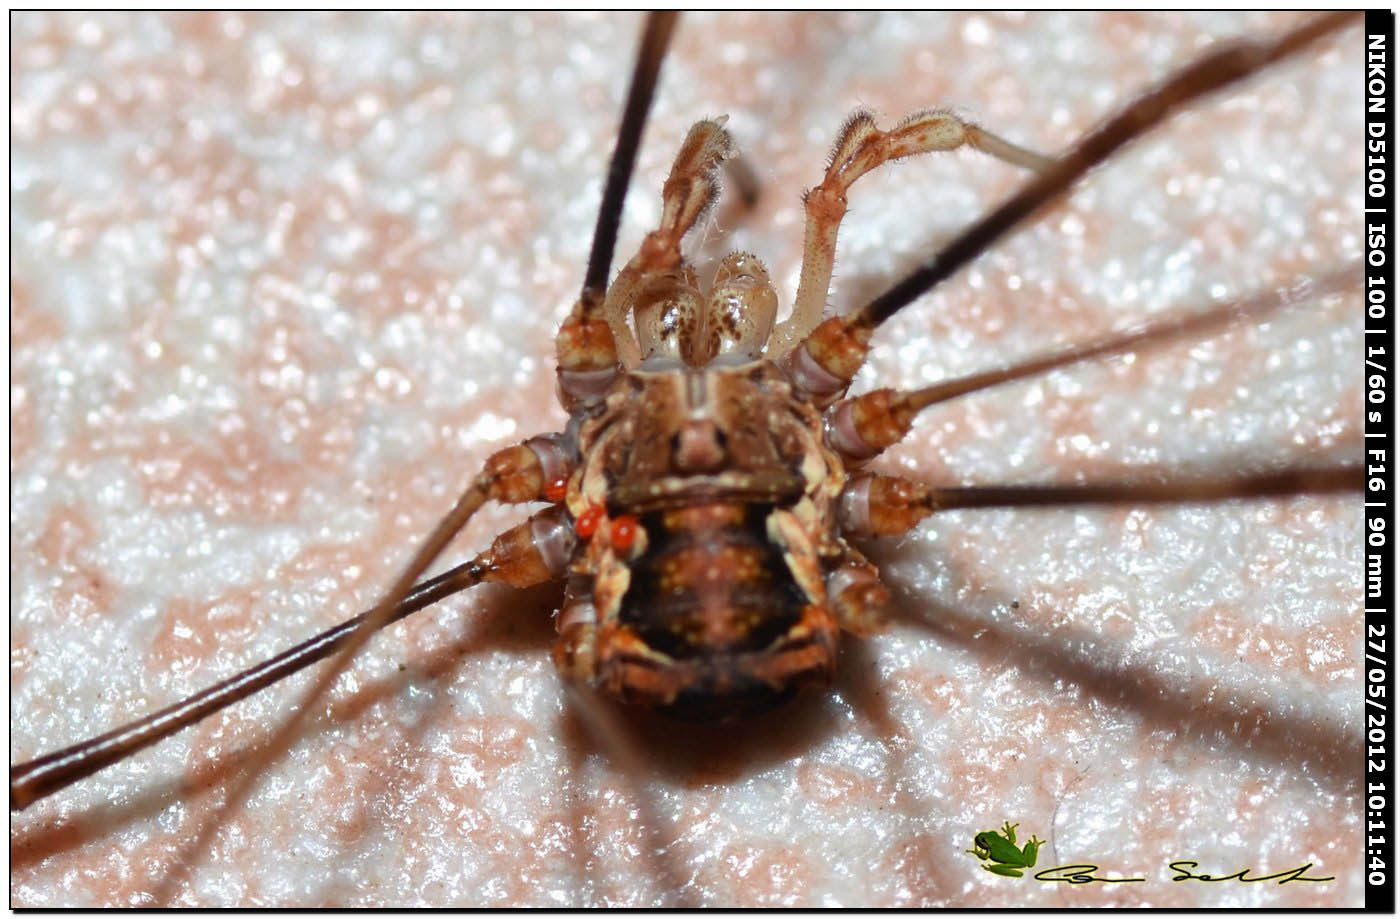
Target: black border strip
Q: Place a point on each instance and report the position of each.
(1378, 854)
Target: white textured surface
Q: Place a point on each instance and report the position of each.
(281, 283)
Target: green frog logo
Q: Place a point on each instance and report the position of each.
(999, 853)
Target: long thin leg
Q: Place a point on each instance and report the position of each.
(470, 501)
(861, 427)
(526, 472)
(524, 555)
(587, 344)
(860, 148)
(654, 43)
(1279, 484)
(52, 772)
(655, 40)
(1152, 335)
(823, 365)
(888, 505)
(1214, 71)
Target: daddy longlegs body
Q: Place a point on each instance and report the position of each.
(1186, 673)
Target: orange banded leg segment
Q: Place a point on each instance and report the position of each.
(690, 190)
(539, 549)
(859, 601)
(881, 505)
(575, 650)
(532, 552)
(860, 148)
(823, 365)
(586, 359)
(535, 470)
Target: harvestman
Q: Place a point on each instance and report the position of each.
(1254, 487)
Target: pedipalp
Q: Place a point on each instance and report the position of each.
(859, 148)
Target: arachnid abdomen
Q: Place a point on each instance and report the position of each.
(713, 593)
(706, 496)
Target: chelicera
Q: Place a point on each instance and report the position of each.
(698, 444)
